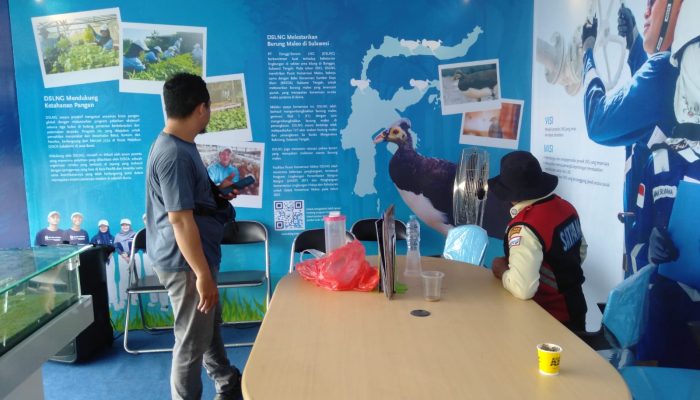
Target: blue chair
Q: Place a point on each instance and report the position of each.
(624, 319)
(466, 243)
(654, 383)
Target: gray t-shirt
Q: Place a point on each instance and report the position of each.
(177, 180)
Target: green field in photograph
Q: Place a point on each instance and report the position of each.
(227, 120)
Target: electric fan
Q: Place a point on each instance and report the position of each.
(469, 196)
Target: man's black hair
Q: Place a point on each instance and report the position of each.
(183, 93)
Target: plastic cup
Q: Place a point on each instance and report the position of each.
(549, 356)
(432, 285)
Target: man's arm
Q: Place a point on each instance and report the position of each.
(520, 273)
(190, 245)
(630, 113)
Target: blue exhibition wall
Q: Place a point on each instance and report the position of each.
(301, 91)
(14, 231)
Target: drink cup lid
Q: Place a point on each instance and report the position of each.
(334, 216)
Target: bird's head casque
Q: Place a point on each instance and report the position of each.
(396, 133)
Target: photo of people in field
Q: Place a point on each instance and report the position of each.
(154, 53)
(78, 47)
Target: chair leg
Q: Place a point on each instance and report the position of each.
(144, 322)
(126, 326)
(126, 331)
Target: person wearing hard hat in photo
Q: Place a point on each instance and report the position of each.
(132, 58)
(153, 55)
(104, 37)
(170, 52)
(51, 235)
(639, 113)
(672, 305)
(76, 234)
(197, 54)
(103, 236)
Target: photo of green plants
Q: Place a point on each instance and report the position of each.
(227, 106)
(78, 44)
(157, 52)
(165, 69)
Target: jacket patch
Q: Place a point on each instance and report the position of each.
(640, 195)
(514, 241)
(571, 234)
(664, 191)
(514, 230)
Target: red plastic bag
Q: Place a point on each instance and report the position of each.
(344, 268)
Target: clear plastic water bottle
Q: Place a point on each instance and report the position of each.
(413, 265)
(334, 230)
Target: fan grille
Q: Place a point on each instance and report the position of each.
(470, 187)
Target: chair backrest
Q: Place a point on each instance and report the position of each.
(365, 230)
(139, 244)
(249, 232)
(626, 310)
(311, 239)
(466, 243)
(244, 232)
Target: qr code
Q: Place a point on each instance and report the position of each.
(289, 215)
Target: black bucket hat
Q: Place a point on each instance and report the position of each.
(521, 178)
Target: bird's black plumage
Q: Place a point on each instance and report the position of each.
(431, 177)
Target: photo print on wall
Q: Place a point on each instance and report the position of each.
(151, 54)
(78, 48)
(499, 127)
(469, 86)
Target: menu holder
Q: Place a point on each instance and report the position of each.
(386, 241)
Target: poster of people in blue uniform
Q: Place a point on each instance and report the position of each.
(615, 78)
(301, 93)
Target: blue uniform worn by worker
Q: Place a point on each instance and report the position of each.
(153, 55)
(636, 116)
(150, 57)
(671, 304)
(104, 41)
(674, 160)
(169, 53)
(133, 64)
(218, 172)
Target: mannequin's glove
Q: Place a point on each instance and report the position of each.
(661, 247)
(588, 35)
(626, 26)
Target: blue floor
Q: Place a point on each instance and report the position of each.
(116, 374)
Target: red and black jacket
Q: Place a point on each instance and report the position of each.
(556, 224)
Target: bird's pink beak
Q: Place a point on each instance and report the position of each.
(380, 138)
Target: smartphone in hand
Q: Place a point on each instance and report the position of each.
(239, 184)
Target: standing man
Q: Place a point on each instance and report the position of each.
(544, 245)
(76, 234)
(51, 235)
(184, 233)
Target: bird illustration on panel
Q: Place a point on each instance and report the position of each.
(424, 183)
